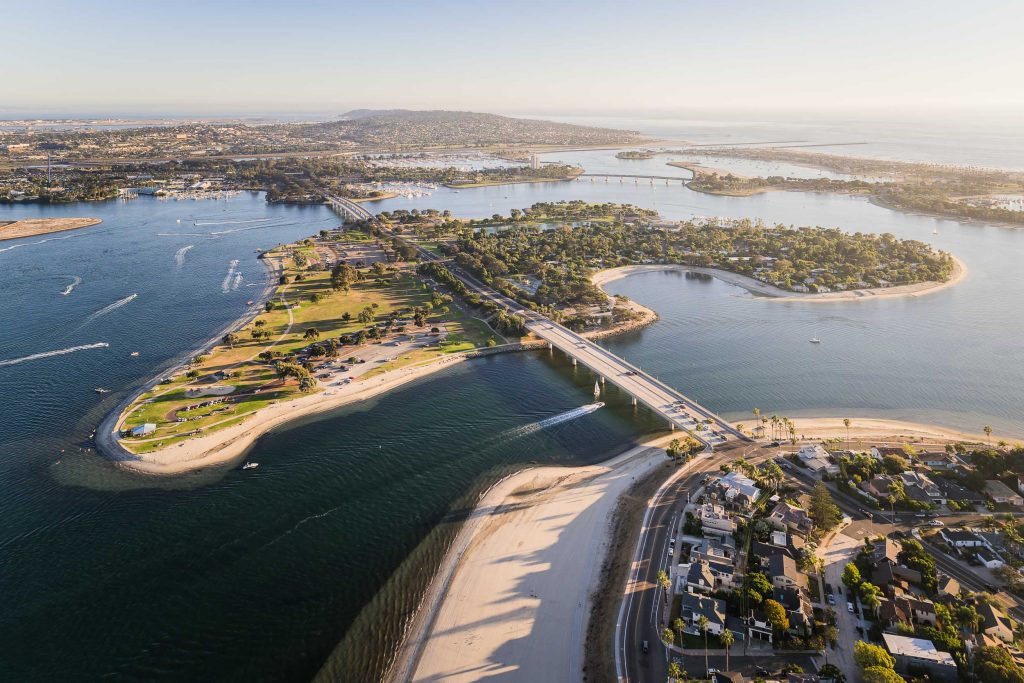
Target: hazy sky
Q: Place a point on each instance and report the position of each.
(109, 56)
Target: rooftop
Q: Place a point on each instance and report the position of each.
(918, 648)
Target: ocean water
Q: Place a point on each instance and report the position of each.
(313, 561)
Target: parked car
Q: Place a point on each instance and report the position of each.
(645, 647)
(936, 522)
(849, 607)
(831, 599)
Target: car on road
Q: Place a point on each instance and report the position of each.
(936, 522)
(920, 514)
(646, 647)
(711, 672)
(849, 607)
(831, 599)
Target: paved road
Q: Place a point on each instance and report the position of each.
(640, 616)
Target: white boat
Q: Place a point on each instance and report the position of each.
(101, 390)
(815, 340)
(935, 231)
(597, 390)
(250, 465)
(134, 354)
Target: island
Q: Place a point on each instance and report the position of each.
(635, 154)
(31, 227)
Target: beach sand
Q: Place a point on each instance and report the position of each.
(512, 596)
(882, 431)
(772, 293)
(43, 226)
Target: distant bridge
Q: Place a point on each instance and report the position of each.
(636, 178)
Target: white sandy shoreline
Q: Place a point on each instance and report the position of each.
(772, 293)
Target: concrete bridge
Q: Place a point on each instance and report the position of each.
(636, 178)
(348, 208)
(678, 411)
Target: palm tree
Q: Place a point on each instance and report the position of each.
(668, 636)
(727, 639)
(775, 425)
(674, 671)
(739, 427)
(764, 425)
(757, 416)
(664, 581)
(680, 627)
(703, 623)
(846, 421)
(988, 432)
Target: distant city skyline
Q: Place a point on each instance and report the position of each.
(527, 56)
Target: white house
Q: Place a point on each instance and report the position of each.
(962, 538)
(814, 457)
(715, 520)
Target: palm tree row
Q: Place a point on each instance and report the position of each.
(782, 427)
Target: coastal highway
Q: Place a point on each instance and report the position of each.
(639, 613)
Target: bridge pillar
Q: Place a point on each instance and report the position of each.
(634, 400)
(550, 346)
(574, 362)
(602, 379)
(672, 426)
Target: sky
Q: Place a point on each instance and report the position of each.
(228, 57)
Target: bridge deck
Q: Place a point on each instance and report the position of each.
(676, 408)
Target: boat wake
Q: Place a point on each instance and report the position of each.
(237, 282)
(70, 288)
(29, 244)
(112, 307)
(60, 352)
(568, 415)
(255, 220)
(226, 285)
(179, 256)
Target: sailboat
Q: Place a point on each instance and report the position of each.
(935, 231)
(597, 390)
(815, 340)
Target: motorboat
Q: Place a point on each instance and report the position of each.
(815, 340)
(101, 390)
(250, 465)
(134, 354)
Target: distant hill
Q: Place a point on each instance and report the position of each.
(402, 127)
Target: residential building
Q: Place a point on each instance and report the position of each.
(878, 487)
(735, 489)
(798, 609)
(786, 516)
(953, 491)
(761, 553)
(919, 487)
(994, 623)
(693, 607)
(879, 452)
(914, 654)
(940, 461)
(715, 520)
(716, 549)
(988, 558)
(814, 457)
(1002, 494)
(783, 573)
(947, 586)
(962, 538)
(699, 578)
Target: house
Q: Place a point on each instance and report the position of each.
(736, 489)
(887, 551)
(724, 574)
(727, 677)
(1002, 494)
(988, 558)
(761, 553)
(885, 574)
(693, 607)
(798, 609)
(715, 520)
(143, 429)
(699, 578)
(946, 585)
(962, 538)
(759, 628)
(714, 550)
(953, 491)
(994, 623)
(879, 452)
(783, 572)
(914, 654)
(878, 486)
(814, 457)
(786, 516)
(940, 461)
(919, 487)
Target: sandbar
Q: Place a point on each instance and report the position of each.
(31, 227)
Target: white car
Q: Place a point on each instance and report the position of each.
(936, 522)
(849, 607)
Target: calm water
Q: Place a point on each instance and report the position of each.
(317, 556)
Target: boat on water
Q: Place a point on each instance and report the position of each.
(101, 390)
(250, 465)
(249, 302)
(597, 390)
(599, 404)
(134, 354)
(815, 340)
(935, 231)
